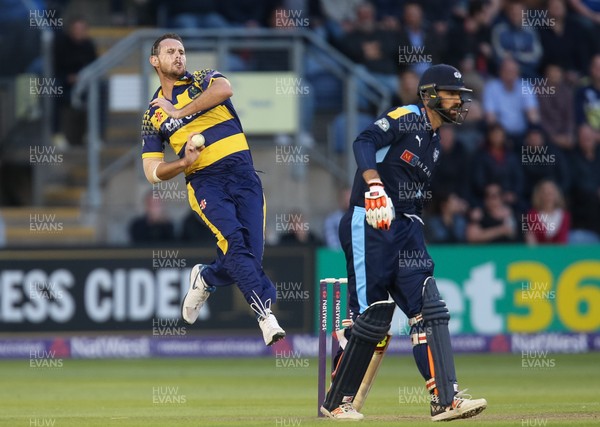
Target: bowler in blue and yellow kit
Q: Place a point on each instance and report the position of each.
(223, 186)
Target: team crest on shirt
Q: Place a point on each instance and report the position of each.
(202, 204)
(410, 158)
(383, 124)
(193, 91)
(158, 115)
(436, 154)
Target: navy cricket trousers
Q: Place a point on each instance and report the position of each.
(382, 262)
(232, 205)
(392, 262)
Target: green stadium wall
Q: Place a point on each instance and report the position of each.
(509, 289)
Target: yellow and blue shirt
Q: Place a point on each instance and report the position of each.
(225, 143)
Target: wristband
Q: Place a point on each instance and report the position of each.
(154, 176)
(372, 182)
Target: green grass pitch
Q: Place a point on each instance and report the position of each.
(257, 392)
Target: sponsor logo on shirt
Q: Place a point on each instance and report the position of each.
(409, 158)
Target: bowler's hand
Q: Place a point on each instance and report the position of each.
(191, 152)
(166, 106)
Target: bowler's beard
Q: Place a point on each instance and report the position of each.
(170, 71)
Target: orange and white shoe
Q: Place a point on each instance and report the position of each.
(462, 407)
(343, 412)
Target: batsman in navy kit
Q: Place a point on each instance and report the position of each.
(193, 113)
(382, 238)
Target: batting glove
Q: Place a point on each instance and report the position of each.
(378, 206)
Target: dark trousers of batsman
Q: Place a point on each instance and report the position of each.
(396, 263)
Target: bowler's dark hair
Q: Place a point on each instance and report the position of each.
(156, 44)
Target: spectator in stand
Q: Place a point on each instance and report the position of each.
(73, 50)
(154, 226)
(448, 223)
(496, 163)
(419, 47)
(474, 34)
(331, 226)
(588, 14)
(495, 222)
(585, 191)
(472, 77)
(389, 13)
(512, 37)
(557, 116)
(340, 17)
(408, 85)
(438, 13)
(451, 175)
(541, 162)
(511, 102)
(472, 132)
(587, 99)
(587, 8)
(565, 43)
(374, 48)
(326, 85)
(492, 8)
(297, 231)
(547, 221)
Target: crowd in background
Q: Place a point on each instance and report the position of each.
(525, 166)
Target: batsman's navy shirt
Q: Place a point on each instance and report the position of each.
(404, 149)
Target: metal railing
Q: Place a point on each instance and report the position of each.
(222, 42)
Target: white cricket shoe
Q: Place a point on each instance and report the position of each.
(461, 407)
(196, 296)
(267, 321)
(343, 412)
(271, 330)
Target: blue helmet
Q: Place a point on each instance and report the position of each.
(444, 77)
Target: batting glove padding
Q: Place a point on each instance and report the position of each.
(378, 206)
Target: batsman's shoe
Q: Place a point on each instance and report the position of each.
(271, 330)
(462, 407)
(196, 296)
(343, 412)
